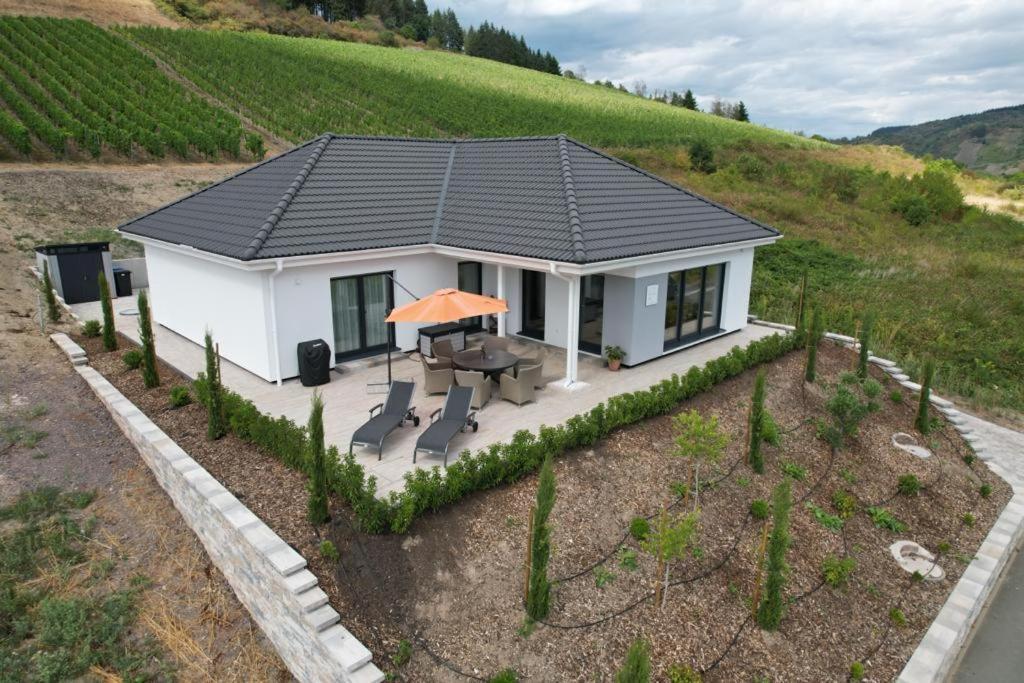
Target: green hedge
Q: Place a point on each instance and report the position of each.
(501, 463)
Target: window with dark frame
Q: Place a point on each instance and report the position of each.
(693, 304)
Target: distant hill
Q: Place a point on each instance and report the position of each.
(992, 141)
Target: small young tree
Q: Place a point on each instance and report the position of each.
(866, 327)
(850, 403)
(150, 376)
(318, 513)
(698, 440)
(801, 305)
(538, 596)
(215, 427)
(109, 337)
(669, 540)
(689, 101)
(923, 421)
(757, 421)
(702, 157)
(769, 613)
(637, 667)
(52, 309)
(813, 339)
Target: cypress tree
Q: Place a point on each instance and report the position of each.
(215, 427)
(689, 101)
(52, 309)
(538, 596)
(813, 339)
(757, 418)
(923, 423)
(109, 337)
(637, 667)
(150, 377)
(769, 612)
(318, 512)
(866, 327)
(801, 305)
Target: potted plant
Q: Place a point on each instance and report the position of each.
(614, 354)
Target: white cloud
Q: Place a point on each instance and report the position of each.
(555, 8)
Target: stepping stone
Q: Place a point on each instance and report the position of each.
(913, 558)
(906, 442)
(901, 378)
(893, 370)
(882, 362)
(940, 402)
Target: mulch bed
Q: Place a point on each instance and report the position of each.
(453, 585)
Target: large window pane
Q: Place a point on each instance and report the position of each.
(376, 309)
(672, 306)
(471, 280)
(345, 307)
(591, 312)
(712, 297)
(691, 301)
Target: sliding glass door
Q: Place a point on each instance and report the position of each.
(533, 303)
(693, 304)
(591, 312)
(359, 305)
(471, 280)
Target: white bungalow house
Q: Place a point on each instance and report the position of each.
(588, 250)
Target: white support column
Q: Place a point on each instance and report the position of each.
(572, 337)
(501, 295)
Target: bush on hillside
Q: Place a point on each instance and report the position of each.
(702, 157)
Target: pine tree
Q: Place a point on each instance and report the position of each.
(923, 423)
(866, 327)
(740, 112)
(689, 101)
(150, 376)
(813, 339)
(215, 427)
(109, 336)
(637, 667)
(318, 511)
(769, 612)
(52, 309)
(757, 422)
(538, 597)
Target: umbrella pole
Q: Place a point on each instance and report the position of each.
(391, 333)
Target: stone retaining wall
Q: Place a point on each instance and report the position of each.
(268, 576)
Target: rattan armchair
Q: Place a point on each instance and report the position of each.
(480, 383)
(437, 377)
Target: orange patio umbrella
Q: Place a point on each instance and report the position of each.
(443, 306)
(447, 305)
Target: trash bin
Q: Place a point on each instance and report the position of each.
(123, 282)
(314, 362)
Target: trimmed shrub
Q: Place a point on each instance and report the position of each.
(91, 328)
(538, 597)
(180, 396)
(318, 512)
(109, 334)
(769, 612)
(923, 422)
(150, 377)
(132, 359)
(637, 667)
(500, 463)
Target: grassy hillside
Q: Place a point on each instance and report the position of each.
(952, 288)
(69, 88)
(992, 141)
(301, 87)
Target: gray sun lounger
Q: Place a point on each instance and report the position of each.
(394, 412)
(446, 422)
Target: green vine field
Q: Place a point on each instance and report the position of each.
(70, 88)
(302, 87)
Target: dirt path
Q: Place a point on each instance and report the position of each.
(1007, 206)
(72, 443)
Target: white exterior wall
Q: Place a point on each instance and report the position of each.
(303, 295)
(190, 295)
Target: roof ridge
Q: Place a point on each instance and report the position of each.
(268, 226)
(579, 251)
(682, 189)
(444, 193)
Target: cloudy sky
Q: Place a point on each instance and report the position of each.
(820, 66)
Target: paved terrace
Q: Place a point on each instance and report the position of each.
(349, 395)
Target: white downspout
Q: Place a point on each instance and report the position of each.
(279, 266)
(572, 343)
(501, 295)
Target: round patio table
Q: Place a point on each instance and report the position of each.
(492, 364)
